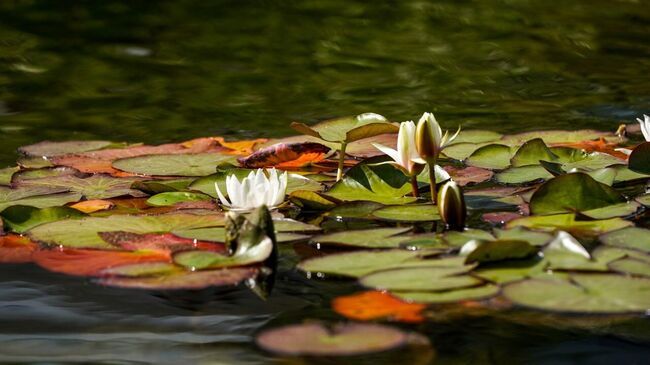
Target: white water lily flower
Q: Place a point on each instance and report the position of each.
(563, 241)
(429, 140)
(406, 150)
(254, 190)
(645, 126)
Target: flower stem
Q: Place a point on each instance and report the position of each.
(339, 172)
(432, 182)
(414, 185)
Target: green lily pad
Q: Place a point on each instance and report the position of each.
(557, 136)
(348, 129)
(369, 238)
(644, 199)
(492, 156)
(21, 218)
(476, 136)
(184, 280)
(143, 269)
(174, 197)
(520, 233)
(6, 174)
(509, 271)
(432, 297)
(292, 225)
(531, 153)
(568, 222)
(490, 251)
(572, 192)
(523, 174)
(35, 196)
(611, 211)
(408, 213)
(83, 232)
(199, 164)
(48, 148)
(93, 187)
(461, 151)
(459, 239)
(631, 266)
(419, 279)
(27, 162)
(46, 172)
(381, 184)
(359, 263)
(584, 293)
(153, 187)
(632, 237)
(311, 200)
(624, 174)
(639, 160)
(354, 209)
(592, 161)
(314, 339)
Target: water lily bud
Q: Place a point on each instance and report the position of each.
(428, 137)
(451, 205)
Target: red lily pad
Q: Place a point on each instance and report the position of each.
(314, 339)
(82, 262)
(15, 249)
(468, 175)
(286, 155)
(184, 280)
(164, 243)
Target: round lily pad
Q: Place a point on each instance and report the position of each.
(492, 156)
(173, 197)
(631, 266)
(631, 237)
(584, 293)
(408, 213)
(199, 164)
(48, 148)
(479, 292)
(371, 238)
(523, 174)
(420, 279)
(314, 339)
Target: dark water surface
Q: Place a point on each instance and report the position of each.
(172, 70)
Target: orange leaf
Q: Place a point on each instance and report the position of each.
(84, 262)
(600, 145)
(286, 155)
(91, 206)
(245, 147)
(372, 305)
(15, 249)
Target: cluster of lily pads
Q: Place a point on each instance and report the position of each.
(548, 220)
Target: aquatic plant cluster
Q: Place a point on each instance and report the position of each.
(553, 221)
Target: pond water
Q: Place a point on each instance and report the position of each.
(174, 70)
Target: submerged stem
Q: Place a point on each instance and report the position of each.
(339, 172)
(414, 185)
(432, 181)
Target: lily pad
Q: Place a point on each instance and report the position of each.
(428, 297)
(420, 279)
(535, 238)
(6, 174)
(489, 251)
(314, 339)
(632, 237)
(509, 271)
(36, 196)
(184, 280)
(631, 266)
(369, 238)
(21, 218)
(84, 232)
(15, 249)
(97, 186)
(366, 184)
(523, 174)
(492, 156)
(153, 187)
(408, 213)
(143, 269)
(572, 192)
(611, 211)
(46, 172)
(531, 153)
(359, 263)
(82, 262)
(173, 197)
(48, 148)
(199, 164)
(557, 136)
(584, 293)
(348, 129)
(568, 222)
